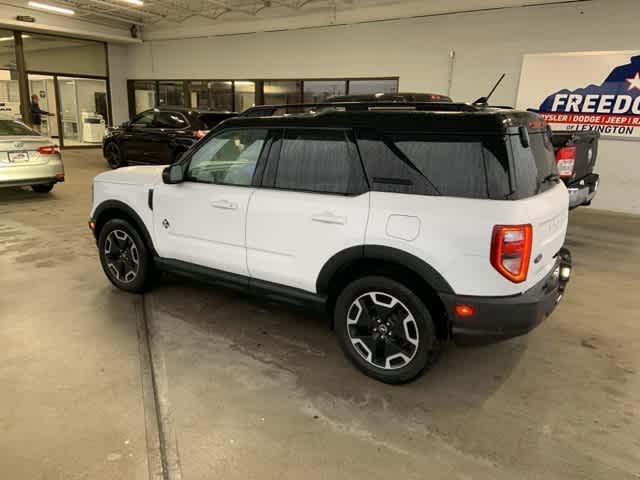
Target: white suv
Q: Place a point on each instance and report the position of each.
(410, 227)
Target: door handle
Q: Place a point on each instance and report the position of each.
(329, 217)
(224, 204)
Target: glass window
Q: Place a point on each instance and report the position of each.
(145, 119)
(9, 87)
(171, 93)
(227, 158)
(358, 87)
(83, 109)
(318, 161)
(145, 95)
(170, 120)
(278, 92)
(317, 91)
(533, 164)
(245, 95)
(455, 168)
(213, 95)
(47, 53)
(44, 106)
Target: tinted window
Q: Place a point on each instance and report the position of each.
(10, 127)
(210, 120)
(387, 171)
(145, 119)
(533, 164)
(456, 166)
(318, 161)
(170, 120)
(228, 158)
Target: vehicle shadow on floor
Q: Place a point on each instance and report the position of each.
(24, 194)
(302, 342)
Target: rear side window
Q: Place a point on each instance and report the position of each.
(318, 161)
(534, 166)
(458, 166)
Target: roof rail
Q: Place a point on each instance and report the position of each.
(269, 110)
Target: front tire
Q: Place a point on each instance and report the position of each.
(113, 156)
(124, 256)
(42, 188)
(385, 329)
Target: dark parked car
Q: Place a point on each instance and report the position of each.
(159, 136)
(576, 154)
(392, 97)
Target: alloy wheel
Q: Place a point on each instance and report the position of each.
(382, 330)
(122, 257)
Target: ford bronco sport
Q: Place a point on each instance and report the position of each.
(410, 225)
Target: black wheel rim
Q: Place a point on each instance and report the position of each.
(382, 330)
(113, 156)
(122, 257)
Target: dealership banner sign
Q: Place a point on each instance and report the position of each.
(584, 91)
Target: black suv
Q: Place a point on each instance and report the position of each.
(159, 135)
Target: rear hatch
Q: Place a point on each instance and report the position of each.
(539, 190)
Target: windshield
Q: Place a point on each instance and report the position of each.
(9, 128)
(534, 166)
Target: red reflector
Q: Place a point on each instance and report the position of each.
(198, 134)
(511, 251)
(464, 310)
(60, 176)
(566, 160)
(49, 150)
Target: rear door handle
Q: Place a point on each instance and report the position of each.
(224, 204)
(329, 217)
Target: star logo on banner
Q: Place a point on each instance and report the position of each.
(634, 82)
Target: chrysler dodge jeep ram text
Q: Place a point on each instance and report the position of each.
(410, 225)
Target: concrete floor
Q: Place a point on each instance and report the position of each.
(261, 390)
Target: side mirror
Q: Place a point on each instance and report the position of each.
(173, 174)
(125, 124)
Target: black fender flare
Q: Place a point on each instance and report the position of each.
(351, 255)
(110, 205)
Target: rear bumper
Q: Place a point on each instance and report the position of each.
(16, 176)
(582, 191)
(499, 318)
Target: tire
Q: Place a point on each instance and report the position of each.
(124, 256)
(113, 156)
(42, 188)
(373, 311)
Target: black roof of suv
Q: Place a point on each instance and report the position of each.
(427, 117)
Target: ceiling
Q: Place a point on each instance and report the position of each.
(154, 14)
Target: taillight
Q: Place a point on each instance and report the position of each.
(49, 150)
(198, 134)
(566, 160)
(511, 251)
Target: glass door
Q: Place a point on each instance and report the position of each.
(42, 95)
(84, 113)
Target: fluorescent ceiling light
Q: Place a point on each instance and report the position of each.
(139, 3)
(51, 8)
(7, 39)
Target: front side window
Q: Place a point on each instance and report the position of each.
(145, 119)
(227, 158)
(318, 161)
(170, 120)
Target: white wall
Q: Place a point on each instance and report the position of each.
(416, 50)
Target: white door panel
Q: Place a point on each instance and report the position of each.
(205, 224)
(291, 235)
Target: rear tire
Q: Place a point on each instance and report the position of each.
(385, 329)
(124, 256)
(42, 188)
(113, 156)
